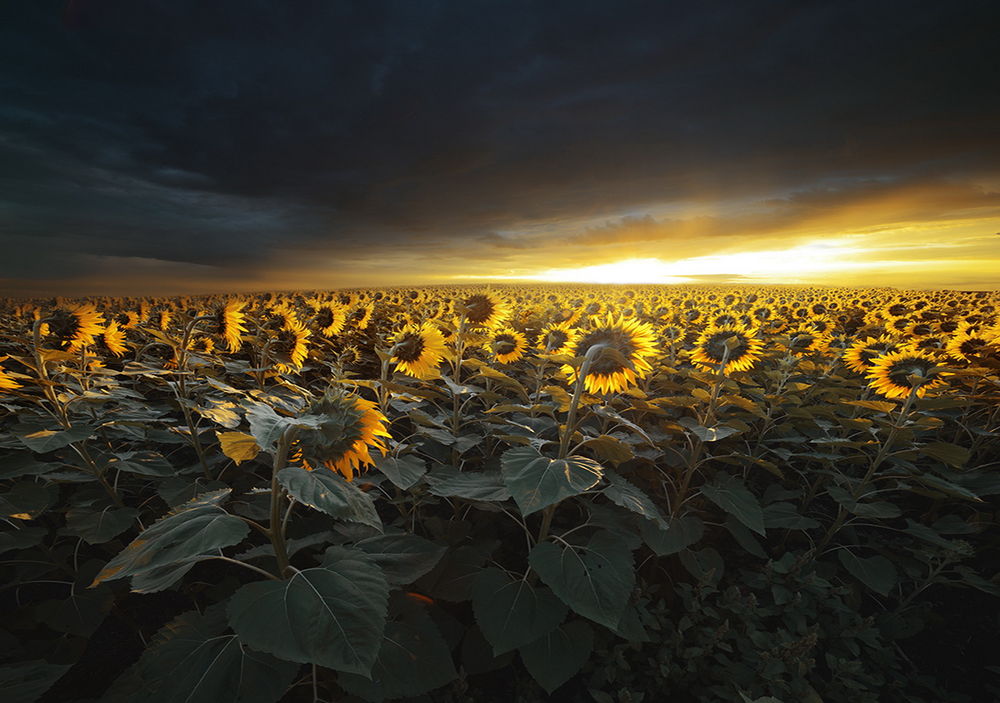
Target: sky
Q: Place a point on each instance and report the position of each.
(183, 146)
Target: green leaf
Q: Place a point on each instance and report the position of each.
(97, 526)
(744, 538)
(18, 464)
(403, 471)
(42, 441)
(881, 406)
(26, 682)
(238, 446)
(787, 516)
(329, 493)
(706, 565)
(472, 485)
(196, 659)
(681, 533)
(452, 578)
(164, 552)
(729, 493)
(23, 538)
(878, 573)
(554, 659)
(413, 659)
(26, 499)
(595, 579)
(403, 557)
(511, 612)
(143, 463)
(332, 615)
(621, 492)
(537, 481)
(609, 448)
(950, 454)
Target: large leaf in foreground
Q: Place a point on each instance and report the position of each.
(729, 493)
(554, 659)
(167, 550)
(196, 659)
(403, 557)
(536, 481)
(329, 493)
(878, 573)
(595, 579)
(511, 612)
(332, 615)
(413, 659)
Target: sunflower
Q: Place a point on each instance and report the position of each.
(361, 316)
(113, 339)
(507, 345)
(329, 319)
(970, 347)
(485, 310)
(733, 345)
(229, 319)
(896, 374)
(557, 338)
(202, 344)
(806, 341)
(418, 350)
(290, 345)
(860, 355)
(77, 327)
(627, 344)
(349, 428)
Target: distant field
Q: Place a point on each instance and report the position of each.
(688, 493)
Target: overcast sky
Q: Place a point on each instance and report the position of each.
(155, 146)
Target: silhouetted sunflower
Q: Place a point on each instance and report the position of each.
(507, 345)
(485, 310)
(350, 427)
(419, 350)
(626, 346)
(860, 355)
(733, 344)
(77, 327)
(895, 375)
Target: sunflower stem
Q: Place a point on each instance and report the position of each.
(574, 403)
(275, 527)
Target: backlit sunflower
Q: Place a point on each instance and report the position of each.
(419, 350)
(484, 310)
(970, 346)
(349, 428)
(860, 355)
(202, 344)
(895, 375)
(507, 345)
(7, 383)
(230, 320)
(113, 339)
(77, 327)
(360, 317)
(329, 319)
(804, 341)
(736, 346)
(289, 345)
(557, 338)
(627, 344)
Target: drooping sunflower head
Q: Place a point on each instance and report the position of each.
(731, 347)
(418, 350)
(860, 355)
(289, 345)
(507, 345)
(625, 347)
(557, 338)
(349, 427)
(230, 321)
(804, 341)
(201, 344)
(329, 319)
(112, 339)
(76, 327)
(897, 374)
(485, 310)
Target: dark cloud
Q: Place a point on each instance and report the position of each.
(227, 133)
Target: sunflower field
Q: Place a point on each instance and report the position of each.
(578, 493)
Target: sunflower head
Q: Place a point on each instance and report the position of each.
(76, 327)
(329, 319)
(860, 355)
(290, 345)
(897, 374)
(971, 346)
(230, 321)
(622, 357)
(348, 427)
(485, 310)
(557, 338)
(729, 347)
(804, 341)
(113, 339)
(507, 345)
(418, 350)
(7, 383)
